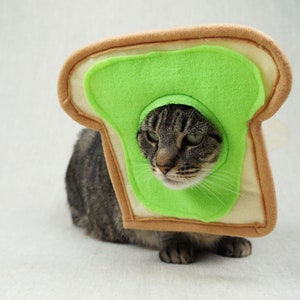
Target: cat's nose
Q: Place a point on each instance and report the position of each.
(164, 169)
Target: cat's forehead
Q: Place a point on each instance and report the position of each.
(176, 118)
(172, 112)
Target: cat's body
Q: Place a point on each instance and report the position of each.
(181, 147)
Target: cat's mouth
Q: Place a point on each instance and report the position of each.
(175, 182)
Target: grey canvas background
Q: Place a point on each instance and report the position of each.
(42, 256)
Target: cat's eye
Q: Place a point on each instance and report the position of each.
(194, 138)
(153, 136)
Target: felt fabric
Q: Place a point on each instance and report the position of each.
(245, 219)
(223, 85)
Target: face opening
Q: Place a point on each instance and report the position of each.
(181, 145)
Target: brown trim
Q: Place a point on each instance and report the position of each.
(281, 90)
(249, 230)
(264, 175)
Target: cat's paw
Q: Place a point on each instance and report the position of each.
(234, 247)
(177, 253)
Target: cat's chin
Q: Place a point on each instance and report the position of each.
(177, 185)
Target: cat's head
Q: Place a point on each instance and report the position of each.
(181, 145)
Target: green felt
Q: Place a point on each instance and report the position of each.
(223, 85)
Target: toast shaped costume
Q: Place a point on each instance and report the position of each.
(234, 75)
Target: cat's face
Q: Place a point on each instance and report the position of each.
(180, 144)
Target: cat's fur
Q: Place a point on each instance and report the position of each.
(175, 159)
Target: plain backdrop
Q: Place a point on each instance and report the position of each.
(42, 255)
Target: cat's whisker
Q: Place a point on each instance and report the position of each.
(144, 171)
(209, 191)
(223, 187)
(227, 187)
(139, 163)
(224, 179)
(224, 176)
(228, 173)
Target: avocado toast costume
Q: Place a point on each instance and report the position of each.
(235, 76)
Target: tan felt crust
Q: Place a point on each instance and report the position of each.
(277, 96)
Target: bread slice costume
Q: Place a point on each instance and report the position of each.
(235, 76)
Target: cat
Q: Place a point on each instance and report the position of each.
(182, 147)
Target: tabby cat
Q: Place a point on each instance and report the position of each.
(181, 146)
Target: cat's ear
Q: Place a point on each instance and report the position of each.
(107, 85)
